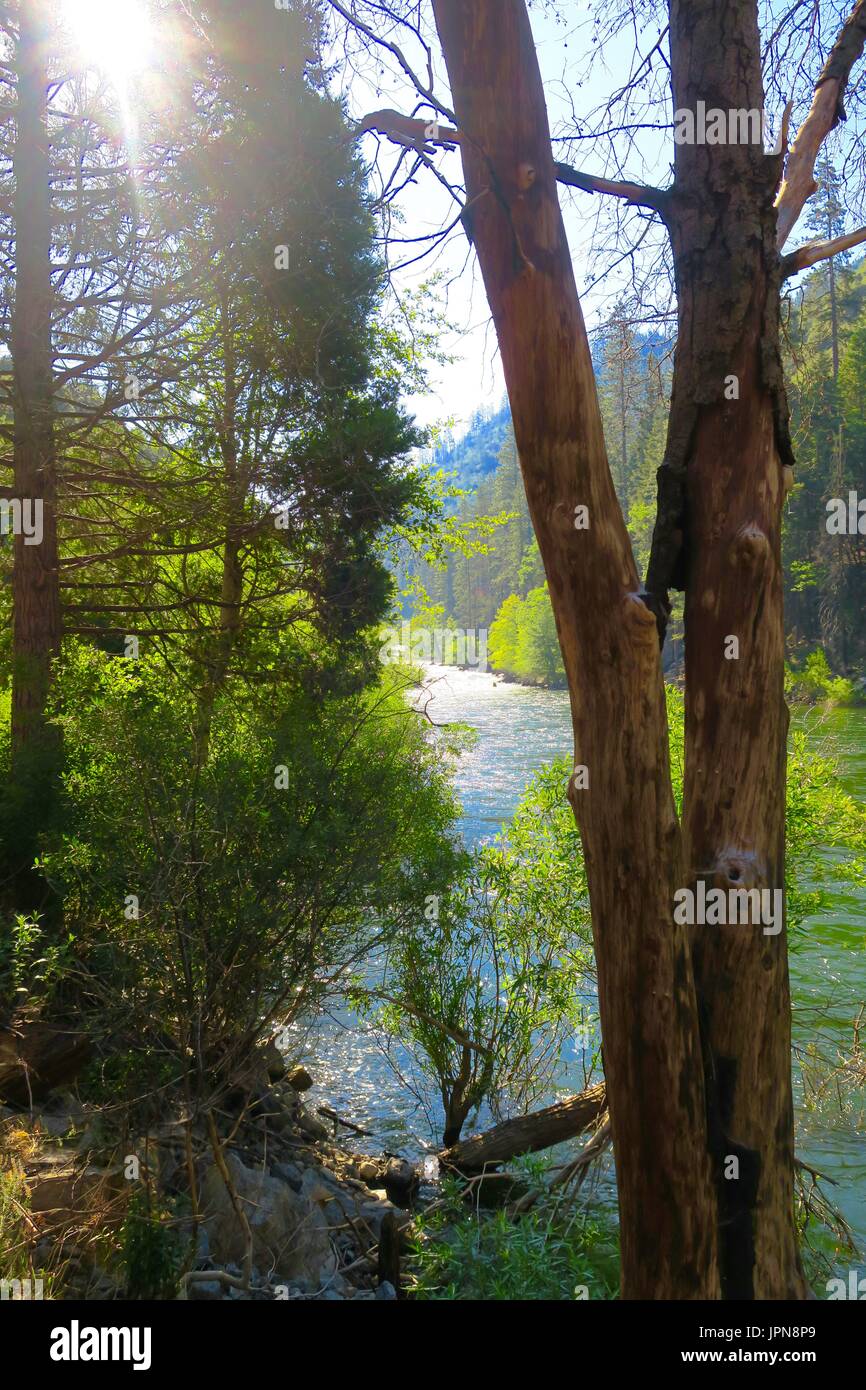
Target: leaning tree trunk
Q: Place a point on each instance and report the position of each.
(721, 489)
(652, 1055)
(35, 582)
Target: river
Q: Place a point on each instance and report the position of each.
(519, 730)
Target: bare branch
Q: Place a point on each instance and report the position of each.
(642, 194)
(408, 131)
(393, 48)
(814, 251)
(826, 111)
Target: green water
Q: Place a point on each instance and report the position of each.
(828, 982)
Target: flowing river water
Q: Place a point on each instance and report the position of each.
(519, 730)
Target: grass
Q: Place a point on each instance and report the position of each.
(557, 1251)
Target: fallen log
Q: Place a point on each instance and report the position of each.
(528, 1133)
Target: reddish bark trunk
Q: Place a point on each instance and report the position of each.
(626, 816)
(718, 536)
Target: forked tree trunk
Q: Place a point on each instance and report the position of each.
(35, 581)
(721, 489)
(652, 1053)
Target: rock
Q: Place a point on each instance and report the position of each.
(311, 1126)
(386, 1292)
(290, 1173)
(267, 1103)
(397, 1178)
(274, 1061)
(299, 1079)
(52, 1126)
(290, 1235)
(204, 1290)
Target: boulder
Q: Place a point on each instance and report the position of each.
(290, 1235)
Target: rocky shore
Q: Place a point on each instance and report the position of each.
(280, 1208)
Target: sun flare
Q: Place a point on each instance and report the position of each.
(113, 35)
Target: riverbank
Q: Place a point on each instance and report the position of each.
(268, 1205)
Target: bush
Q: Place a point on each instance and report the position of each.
(523, 641)
(556, 1252)
(816, 682)
(210, 895)
(151, 1252)
(489, 990)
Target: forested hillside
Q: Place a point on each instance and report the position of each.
(499, 584)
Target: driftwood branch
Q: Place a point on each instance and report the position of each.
(528, 1133)
(332, 1115)
(826, 111)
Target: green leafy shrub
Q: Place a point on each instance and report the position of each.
(211, 895)
(490, 987)
(523, 641)
(556, 1251)
(151, 1252)
(815, 681)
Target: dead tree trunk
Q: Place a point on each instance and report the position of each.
(626, 816)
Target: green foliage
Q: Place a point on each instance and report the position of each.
(504, 963)
(210, 893)
(503, 639)
(554, 1252)
(815, 681)
(30, 966)
(825, 575)
(523, 641)
(151, 1251)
